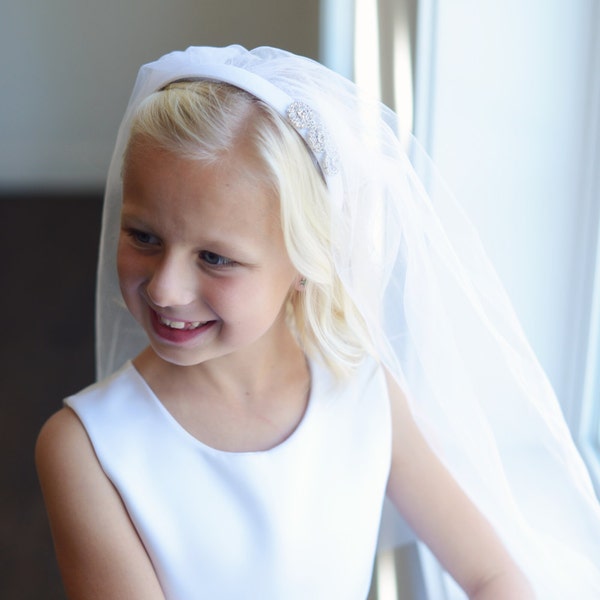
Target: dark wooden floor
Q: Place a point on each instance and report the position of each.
(48, 248)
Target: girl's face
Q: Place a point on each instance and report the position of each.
(202, 262)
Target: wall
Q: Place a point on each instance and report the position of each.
(68, 67)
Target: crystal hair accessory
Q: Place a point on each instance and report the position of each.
(304, 120)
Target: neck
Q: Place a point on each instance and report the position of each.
(238, 377)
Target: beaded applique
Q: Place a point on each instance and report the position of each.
(304, 120)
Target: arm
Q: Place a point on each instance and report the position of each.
(99, 553)
(444, 517)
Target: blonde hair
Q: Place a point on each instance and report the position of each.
(206, 120)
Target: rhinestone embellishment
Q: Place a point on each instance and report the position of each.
(304, 120)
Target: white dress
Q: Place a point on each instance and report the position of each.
(299, 521)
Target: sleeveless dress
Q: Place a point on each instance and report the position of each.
(296, 522)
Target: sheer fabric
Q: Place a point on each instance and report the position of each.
(439, 318)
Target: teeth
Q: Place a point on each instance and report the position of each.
(181, 324)
(174, 324)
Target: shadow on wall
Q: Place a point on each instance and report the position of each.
(48, 250)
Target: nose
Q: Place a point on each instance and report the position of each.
(174, 282)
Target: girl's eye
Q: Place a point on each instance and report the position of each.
(215, 260)
(143, 238)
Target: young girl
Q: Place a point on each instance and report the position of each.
(314, 325)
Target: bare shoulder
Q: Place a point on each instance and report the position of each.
(62, 437)
(64, 454)
(97, 547)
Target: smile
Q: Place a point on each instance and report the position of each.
(182, 325)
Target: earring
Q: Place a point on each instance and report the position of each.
(300, 283)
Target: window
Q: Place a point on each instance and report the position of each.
(589, 433)
(586, 412)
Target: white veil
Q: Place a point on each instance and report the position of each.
(439, 317)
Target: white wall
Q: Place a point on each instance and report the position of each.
(504, 93)
(67, 68)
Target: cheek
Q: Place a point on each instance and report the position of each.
(228, 296)
(265, 295)
(129, 267)
(235, 299)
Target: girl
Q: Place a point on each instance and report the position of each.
(314, 325)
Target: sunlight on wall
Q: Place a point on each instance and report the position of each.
(403, 73)
(367, 67)
(371, 42)
(385, 572)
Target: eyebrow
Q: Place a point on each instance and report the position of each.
(134, 218)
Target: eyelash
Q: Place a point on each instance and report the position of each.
(212, 259)
(222, 262)
(142, 237)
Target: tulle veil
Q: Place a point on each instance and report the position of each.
(437, 313)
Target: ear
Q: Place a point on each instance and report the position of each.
(300, 284)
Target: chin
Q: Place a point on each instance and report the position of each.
(179, 358)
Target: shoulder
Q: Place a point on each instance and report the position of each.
(61, 436)
(361, 393)
(96, 413)
(117, 385)
(368, 375)
(64, 455)
(63, 441)
(97, 548)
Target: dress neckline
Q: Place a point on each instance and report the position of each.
(318, 376)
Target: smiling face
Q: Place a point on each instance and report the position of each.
(202, 262)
